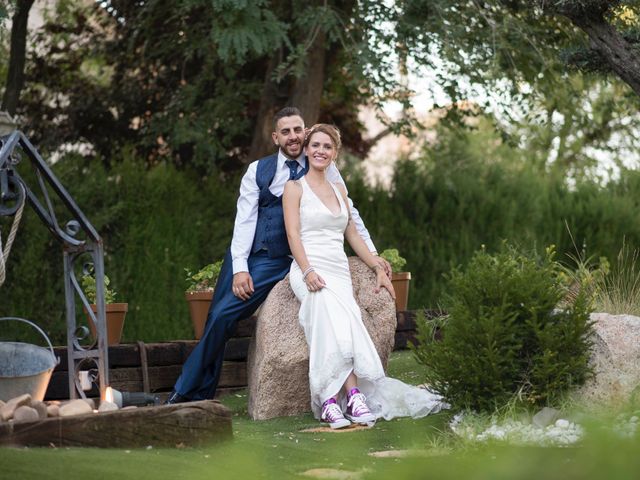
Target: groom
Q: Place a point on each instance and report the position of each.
(259, 256)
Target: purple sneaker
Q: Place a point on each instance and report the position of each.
(357, 410)
(332, 415)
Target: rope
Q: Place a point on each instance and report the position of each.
(4, 254)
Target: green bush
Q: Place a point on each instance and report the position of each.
(153, 223)
(472, 189)
(504, 335)
(205, 279)
(89, 286)
(392, 256)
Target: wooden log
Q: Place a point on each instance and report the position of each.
(402, 339)
(166, 359)
(233, 374)
(159, 354)
(186, 424)
(406, 321)
(246, 327)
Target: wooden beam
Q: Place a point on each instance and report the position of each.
(185, 424)
(233, 374)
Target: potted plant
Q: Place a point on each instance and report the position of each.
(199, 293)
(115, 312)
(399, 279)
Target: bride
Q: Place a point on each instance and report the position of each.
(346, 377)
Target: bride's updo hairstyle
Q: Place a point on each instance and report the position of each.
(333, 132)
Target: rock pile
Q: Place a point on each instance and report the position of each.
(26, 409)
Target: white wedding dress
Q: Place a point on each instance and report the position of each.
(338, 340)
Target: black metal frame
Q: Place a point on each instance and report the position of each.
(12, 188)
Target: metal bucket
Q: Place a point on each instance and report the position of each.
(25, 368)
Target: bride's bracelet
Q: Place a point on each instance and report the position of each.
(307, 272)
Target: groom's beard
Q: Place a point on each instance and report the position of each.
(292, 149)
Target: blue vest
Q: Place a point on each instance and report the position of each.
(270, 232)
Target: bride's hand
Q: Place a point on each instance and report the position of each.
(314, 282)
(383, 281)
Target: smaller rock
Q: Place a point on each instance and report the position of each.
(25, 414)
(107, 407)
(129, 407)
(391, 454)
(41, 408)
(6, 412)
(75, 407)
(332, 473)
(53, 410)
(562, 423)
(545, 417)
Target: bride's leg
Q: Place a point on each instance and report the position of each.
(350, 383)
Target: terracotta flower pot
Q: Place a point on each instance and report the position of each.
(198, 309)
(400, 282)
(116, 313)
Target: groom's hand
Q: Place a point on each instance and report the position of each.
(242, 285)
(386, 266)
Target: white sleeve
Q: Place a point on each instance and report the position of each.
(333, 175)
(244, 228)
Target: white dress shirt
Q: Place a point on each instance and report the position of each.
(247, 215)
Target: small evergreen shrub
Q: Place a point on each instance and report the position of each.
(504, 335)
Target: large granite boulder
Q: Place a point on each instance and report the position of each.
(278, 360)
(615, 359)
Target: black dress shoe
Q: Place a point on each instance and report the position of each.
(175, 397)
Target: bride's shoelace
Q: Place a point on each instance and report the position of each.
(358, 405)
(331, 412)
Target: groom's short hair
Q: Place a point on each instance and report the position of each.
(285, 112)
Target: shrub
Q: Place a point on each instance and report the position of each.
(204, 280)
(89, 287)
(504, 335)
(392, 256)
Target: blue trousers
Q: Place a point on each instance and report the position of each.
(201, 371)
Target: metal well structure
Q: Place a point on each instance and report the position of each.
(50, 200)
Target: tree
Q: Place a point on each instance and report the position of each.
(17, 57)
(196, 82)
(525, 63)
(614, 36)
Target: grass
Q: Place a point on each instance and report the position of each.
(278, 449)
(619, 291)
(614, 288)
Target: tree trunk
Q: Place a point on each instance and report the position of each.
(262, 144)
(307, 91)
(17, 56)
(615, 50)
(306, 95)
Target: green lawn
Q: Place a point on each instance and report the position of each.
(278, 449)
